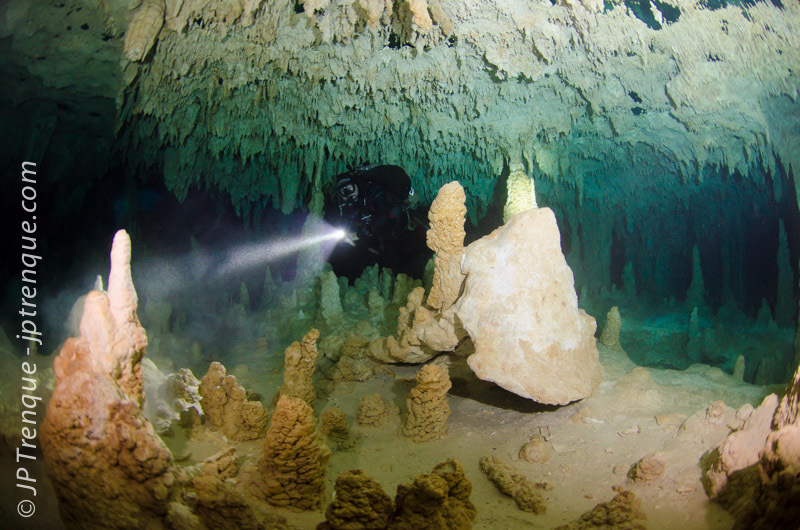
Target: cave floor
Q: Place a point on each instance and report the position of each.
(592, 444)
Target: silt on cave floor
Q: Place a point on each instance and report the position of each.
(260, 440)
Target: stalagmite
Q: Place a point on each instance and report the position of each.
(294, 458)
(374, 411)
(697, 290)
(440, 499)
(333, 424)
(446, 238)
(520, 308)
(428, 409)
(360, 502)
(514, 484)
(108, 467)
(521, 193)
(300, 363)
(330, 303)
(610, 335)
(226, 406)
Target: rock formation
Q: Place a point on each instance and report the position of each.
(535, 451)
(299, 366)
(610, 334)
(428, 409)
(436, 500)
(514, 484)
(425, 329)
(360, 502)
(521, 193)
(106, 464)
(439, 499)
(740, 449)
(446, 238)
(758, 482)
(374, 411)
(330, 302)
(226, 406)
(648, 468)
(520, 308)
(623, 512)
(333, 424)
(294, 458)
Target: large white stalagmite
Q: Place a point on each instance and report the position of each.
(520, 308)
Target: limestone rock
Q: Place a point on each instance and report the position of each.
(512, 483)
(294, 457)
(610, 334)
(226, 406)
(421, 333)
(623, 512)
(520, 308)
(741, 448)
(446, 238)
(374, 411)
(439, 499)
(360, 502)
(428, 409)
(299, 366)
(648, 468)
(333, 424)
(535, 451)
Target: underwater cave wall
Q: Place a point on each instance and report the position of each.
(635, 229)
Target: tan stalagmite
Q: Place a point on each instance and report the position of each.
(294, 457)
(333, 424)
(374, 411)
(106, 463)
(428, 409)
(226, 407)
(521, 194)
(115, 337)
(609, 337)
(360, 502)
(446, 238)
(144, 29)
(514, 484)
(439, 499)
(300, 363)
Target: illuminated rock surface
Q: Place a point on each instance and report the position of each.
(520, 308)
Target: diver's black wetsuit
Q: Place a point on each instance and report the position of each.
(373, 202)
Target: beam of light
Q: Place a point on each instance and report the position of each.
(159, 277)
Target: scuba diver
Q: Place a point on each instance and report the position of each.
(375, 205)
(372, 202)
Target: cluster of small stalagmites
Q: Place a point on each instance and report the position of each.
(511, 482)
(440, 499)
(623, 512)
(609, 337)
(352, 364)
(428, 409)
(333, 424)
(226, 406)
(300, 363)
(294, 458)
(375, 411)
